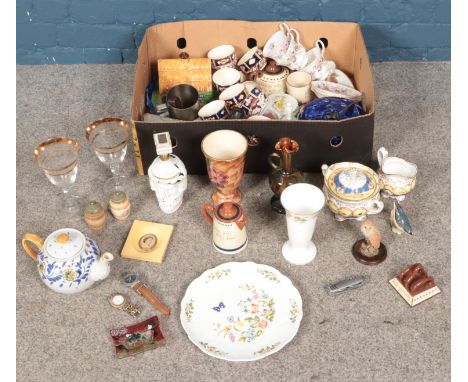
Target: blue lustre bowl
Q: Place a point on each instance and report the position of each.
(331, 108)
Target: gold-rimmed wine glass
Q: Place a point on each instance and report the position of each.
(58, 158)
(109, 139)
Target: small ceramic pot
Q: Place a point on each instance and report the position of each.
(252, 62)
(255, 100)
(302, 203)
(398, 176)
(229, 231)
(272, 79)
(298, 85)
(332, 89)
(234, 95)
(182, 102)
(223, 56)
(352, 190)
(225, 77)
(213, 110)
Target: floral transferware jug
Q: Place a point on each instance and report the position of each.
(68, 261)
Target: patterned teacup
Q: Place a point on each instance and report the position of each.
(252, 62)
(317, 66)
(223, 56)
(233, 95)
(213, 110)
(278, 44)
(225, 77)
(296, 55)
(255, 100)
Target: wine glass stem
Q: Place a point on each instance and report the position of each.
(114, 167)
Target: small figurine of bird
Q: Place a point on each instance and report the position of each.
(371, 233)
(399, 221)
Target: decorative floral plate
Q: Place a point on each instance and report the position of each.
(241, 311)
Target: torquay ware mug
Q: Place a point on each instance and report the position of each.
(302, 203)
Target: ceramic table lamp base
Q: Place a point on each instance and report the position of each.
(302, 202)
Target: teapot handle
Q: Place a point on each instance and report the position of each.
(207, 215)
(273, 164)
(36, 240)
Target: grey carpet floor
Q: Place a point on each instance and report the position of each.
(369, 334)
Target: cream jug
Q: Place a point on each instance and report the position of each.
(229, 221)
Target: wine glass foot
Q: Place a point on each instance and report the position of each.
(72, 206)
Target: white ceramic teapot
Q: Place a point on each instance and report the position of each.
(398, 177)
(67, 261)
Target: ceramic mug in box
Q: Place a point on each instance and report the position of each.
(213, 110)
(255, 100)
(222, 56)
(252, 62)
(225, 77)
(233, 95)
(298, 85)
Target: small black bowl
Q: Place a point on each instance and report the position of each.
(182, 102)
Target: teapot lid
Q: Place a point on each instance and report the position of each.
(352, 181)
(228, 212)
(64, 243)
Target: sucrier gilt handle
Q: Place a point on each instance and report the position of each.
(143, 290)
(37, 241)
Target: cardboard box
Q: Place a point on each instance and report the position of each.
(345, 46)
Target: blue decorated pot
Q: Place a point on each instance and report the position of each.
(67, 261)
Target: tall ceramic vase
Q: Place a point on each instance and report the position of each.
(302, 203)
(224, 152)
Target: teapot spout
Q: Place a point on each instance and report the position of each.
(101, 268)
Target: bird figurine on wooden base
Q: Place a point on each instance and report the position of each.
(399, 221)
(370, 250)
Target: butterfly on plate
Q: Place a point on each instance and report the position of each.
(218, 308)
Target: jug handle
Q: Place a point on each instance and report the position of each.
(36, 240)
(273, 164)
(207, 215)
(242, 222)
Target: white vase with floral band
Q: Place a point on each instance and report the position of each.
(352, 190)
(67, 261)
(241, 311)
(302, 203)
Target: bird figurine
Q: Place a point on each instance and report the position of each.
(371, 234)
(370, 250)
(399, 221)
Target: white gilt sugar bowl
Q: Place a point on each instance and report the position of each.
(398, 176)
(352, 190)
(67, 261)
